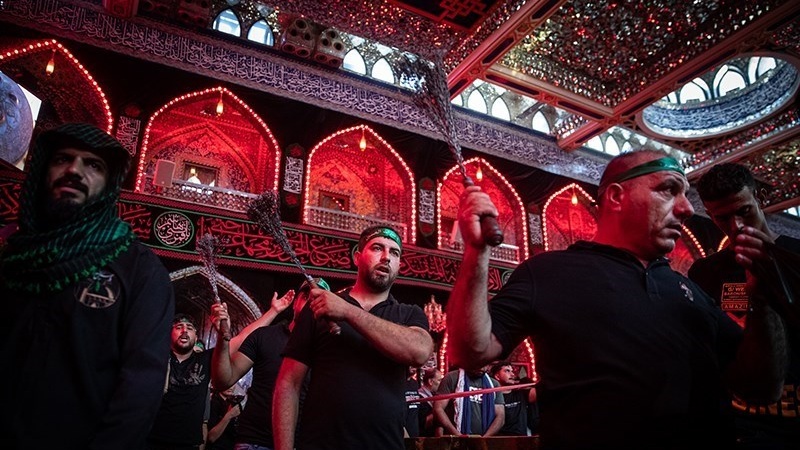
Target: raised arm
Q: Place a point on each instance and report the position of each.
(757, 374)
(217, 430)
(228, 365)
(468, 320)
(286, 402)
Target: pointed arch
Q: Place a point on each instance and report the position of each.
(354, 62)
(192, 129)
(349, 189)
(68, 80)
(500, 109)
(228, 22)
(261, 32)
(512, 220)
(194, 297)
(382, 70)
(568, 217)
(687, 250)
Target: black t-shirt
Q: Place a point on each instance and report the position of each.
(183, 407)
(516, 407)
(78, 373)
(218, 409)
(724, 279)
(264, 347)
(628, 355)
(355, 395)
(412, 408)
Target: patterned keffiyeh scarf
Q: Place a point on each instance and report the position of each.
(39, 258)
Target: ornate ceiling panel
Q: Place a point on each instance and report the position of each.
(601, 61)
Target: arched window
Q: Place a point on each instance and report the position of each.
(728, 79)
(595, 143)
(458, 101)
(227, 22)
(612, 148)
(626, 146)
(476, 102)
(500, 109)
(354, 62)
(540, 123)
(672, 97)
(695, 90)
(261, 32)
(383, 71)
(758, 66)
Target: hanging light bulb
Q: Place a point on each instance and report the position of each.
(51, 64)
(220, 106)
(362, 144)
(574, 197)
(479, 173)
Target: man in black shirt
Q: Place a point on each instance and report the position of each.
(516, 401)
(731, 199)
(630, 353)
(87, 307)
(355, 393)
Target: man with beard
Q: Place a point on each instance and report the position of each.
(355, 393)
(732, 201)
(631, 353)
(179, 423)
(180, 420)
(87, 306)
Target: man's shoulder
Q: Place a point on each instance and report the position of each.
(788, 243)
(140, 256)
(270, 331)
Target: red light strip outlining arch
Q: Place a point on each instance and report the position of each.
(723, 243)
(54, 45)
(483, 164)
(574, 186)
(694, 241)
(367, 131)
(225, 95)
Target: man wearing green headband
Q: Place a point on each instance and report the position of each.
(87, 306)
(631, 354)
(355, 394)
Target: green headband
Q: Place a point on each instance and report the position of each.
(322, 284)
(656, 165)
(388, 233)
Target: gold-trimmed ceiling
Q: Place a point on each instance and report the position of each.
(604, 61)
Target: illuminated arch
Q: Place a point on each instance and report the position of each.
(723, 243)
(568, 216)
(375, 182)
(525, 348)
(239, 139)
(687, 250)
(68, 78)
(512, 219)
(242, 308)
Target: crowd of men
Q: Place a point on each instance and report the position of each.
(630, 353)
